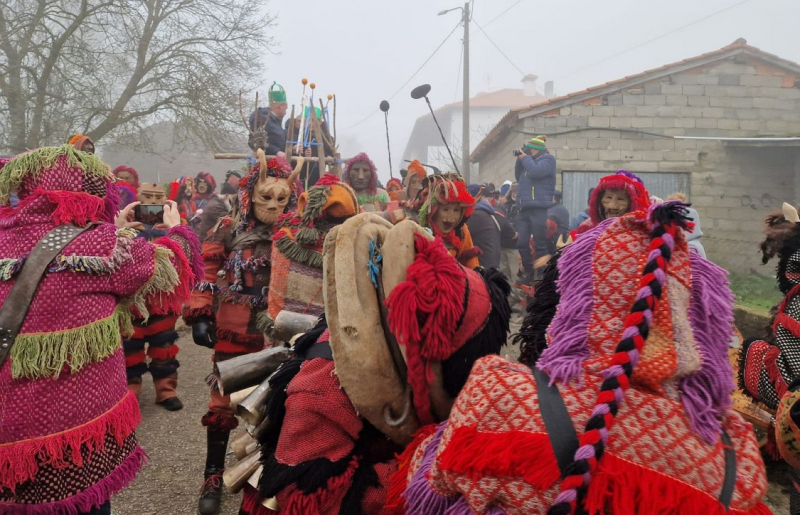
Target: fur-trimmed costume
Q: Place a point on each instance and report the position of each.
(67, 421)
(637, 351)
(769, 370)
(327, 450)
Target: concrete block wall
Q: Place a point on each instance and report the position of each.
(732, 188)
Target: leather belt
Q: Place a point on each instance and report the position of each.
(15, 308)
(564, 440)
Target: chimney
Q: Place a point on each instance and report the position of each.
(548, 89)
(529, 85)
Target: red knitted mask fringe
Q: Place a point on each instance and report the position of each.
(665, 220)
(398, 481)
(163, 354)
(424, 311)
(323, 500)
(19, 462)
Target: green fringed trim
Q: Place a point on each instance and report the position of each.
(423, 214)
(40, 355)
(295, 252)
(317, 198)
(307, 236)
(33, 162)
(164, 280)
(125, 319)
(264, 322)
(9, 267)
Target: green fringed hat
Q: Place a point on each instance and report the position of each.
(277, 93)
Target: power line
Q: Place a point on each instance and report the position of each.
(498, 48)
(503, 13)
(695, 22)
(409, 79)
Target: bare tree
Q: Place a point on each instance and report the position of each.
(103, 67)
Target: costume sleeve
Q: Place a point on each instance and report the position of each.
(537, 169)
(214, 254)
(159, 274)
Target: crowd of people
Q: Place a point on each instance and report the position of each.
(356, 333)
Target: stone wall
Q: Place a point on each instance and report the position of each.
(732, 187)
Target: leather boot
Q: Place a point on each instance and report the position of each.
(211, 491)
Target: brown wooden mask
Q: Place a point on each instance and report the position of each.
(151, 193)
(271, 194)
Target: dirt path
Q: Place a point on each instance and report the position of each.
(176, 443)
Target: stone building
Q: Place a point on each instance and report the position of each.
(723, 127)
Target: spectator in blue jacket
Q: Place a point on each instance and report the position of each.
(581, 217)
(535, 172)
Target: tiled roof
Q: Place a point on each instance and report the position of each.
(738, 47)
(508, 97)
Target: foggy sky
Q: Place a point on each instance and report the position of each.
(363, 50)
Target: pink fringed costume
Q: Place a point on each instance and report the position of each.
(67, 420)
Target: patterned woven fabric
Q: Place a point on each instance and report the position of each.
(63, 388)
(652, 439)
(664, 452)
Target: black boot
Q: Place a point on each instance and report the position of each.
(211, 491)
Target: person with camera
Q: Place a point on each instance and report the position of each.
(535, 171)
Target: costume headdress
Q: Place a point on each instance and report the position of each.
(123, 168)
(415, 168)
(278, 168)
(444, 189)
(277, 93)
(622, 180)
(76, 186)
(79, 140)
(393, 188)
(209, 179)
(362, 157)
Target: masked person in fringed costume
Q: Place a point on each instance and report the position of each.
(296, 274)
(445, 205)
(67, 421)
(615, 195)
(769, 370)
(204, 190)
(410, 202)
(181, 192)
(627, 409)
(239, 251)
(82, 143)
(222, 205)
(362, 175)
(156, 332)
(353, 397)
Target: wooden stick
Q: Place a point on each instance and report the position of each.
(320, 140)
(334, 120)
(290, 134)
(230, 155)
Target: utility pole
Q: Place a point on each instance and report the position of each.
(465, 108)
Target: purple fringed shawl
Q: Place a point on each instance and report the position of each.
(568, 332)
(706, 395)
(420, 497)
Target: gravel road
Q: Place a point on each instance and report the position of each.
(176, 444)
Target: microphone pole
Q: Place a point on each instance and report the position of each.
(422, 92)
(385, 108)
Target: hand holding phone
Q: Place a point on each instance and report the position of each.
(149, 214)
